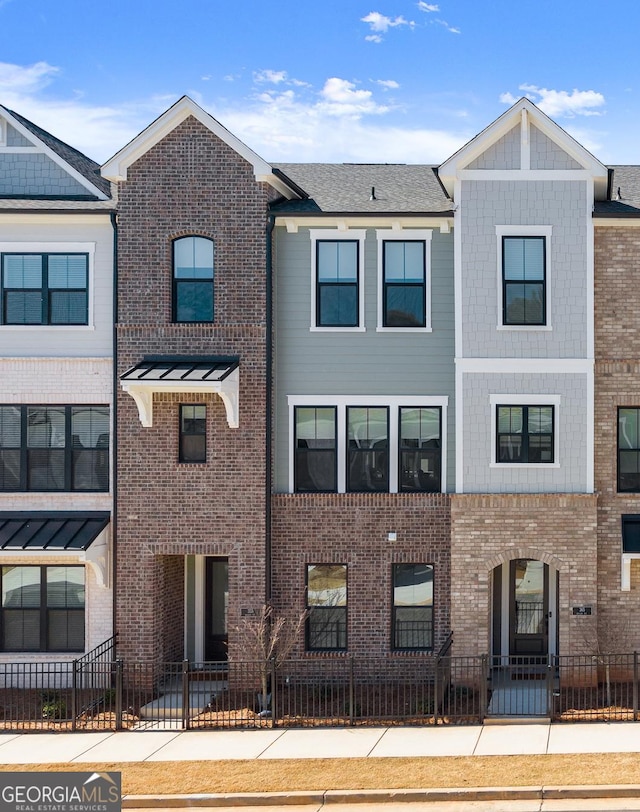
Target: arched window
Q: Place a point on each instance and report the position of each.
(192, 279)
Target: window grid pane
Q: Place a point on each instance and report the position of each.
(404, 284)
(420, 449)
(412, 606)
(367, 449)
(315, 449)
(337, 283)
(524, 279)
(193, 433)
(629, 450)
(525, 434)
(326, 627)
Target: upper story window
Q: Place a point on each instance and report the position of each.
(45, 288)
(524, 275)
(629, 450)
(387, 445)
(337, 269)
(193, 279)
(54, 448)
(525, 434)
(337, 283)
(193, 433)
(404, 266)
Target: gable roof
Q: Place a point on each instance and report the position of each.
(116, 167)
(72, 161)
(366, 188)
(523, 111)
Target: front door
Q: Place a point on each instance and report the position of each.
(528, 607)
(215, 608)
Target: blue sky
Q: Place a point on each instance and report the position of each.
(343, 80)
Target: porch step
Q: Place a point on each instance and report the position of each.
(169, 704)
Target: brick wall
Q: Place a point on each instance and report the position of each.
(617, 383)
(489, 530)
(353, 529)
(189, 183)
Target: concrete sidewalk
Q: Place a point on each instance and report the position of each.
(358, 742)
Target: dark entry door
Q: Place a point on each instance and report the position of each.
(215, 608)
(529, 607)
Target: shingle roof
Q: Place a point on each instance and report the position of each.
(626, 181)
(81, 163)
(347, 188)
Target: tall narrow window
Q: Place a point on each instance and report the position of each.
(193, 433)
(523, 281)
(42, 608)
(337, 283)
(326, 607)
(315, 449)
(412, 606)
(525, 434)
(90, 448)
(11, 465)
(629, 450)
(420, 449)
(193, 279)
(368, 448)
(46, 448)
(404, 303)
(45, 289)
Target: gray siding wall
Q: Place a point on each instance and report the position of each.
(75, 342)
(560, 204)
(570, 424)
(36, 174)
(362, 363)
(545, 154)
(16, 139)
(504, 154)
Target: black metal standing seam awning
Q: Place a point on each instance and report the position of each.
(50, 531)
(184, 374)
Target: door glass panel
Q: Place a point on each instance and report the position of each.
(219, 586)
(529, 596)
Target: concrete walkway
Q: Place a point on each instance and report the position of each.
(358, 742)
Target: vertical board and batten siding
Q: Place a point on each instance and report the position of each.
(570, 423)
(95, 340)
(560, 204)
(358, 363)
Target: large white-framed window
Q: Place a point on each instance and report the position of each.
(525, 431)
(47, 285)
(524, 277)
(337, 279)
(404, 280)
(367, 444)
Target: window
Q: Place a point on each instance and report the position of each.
(525, 434)
(404, 284)
(523, 280)
(326, 627)
(42, 608)
(54, 448)
(192, 279)
(420, 453)
(337, 297)
(386, 444)
(45, 289)
(629, 450)
(315, 449)
(368, 448)
(193, 433)
(412, 626)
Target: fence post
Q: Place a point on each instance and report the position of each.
(484, 677)
(118, 697)
(550, 702)
(274, 691)
(435, 691)
(185, 695)
(74, 694)
(635, 686)
(351, 692)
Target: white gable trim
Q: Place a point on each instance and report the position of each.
(42, 147)
(523, 114)
(115, 168)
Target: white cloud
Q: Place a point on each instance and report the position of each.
(25, 79)
(387, 84)
(427, 7)
(449, 28)
(373, 38)
(341, 98)
(380, 24)
(560, 103)
(274, 77)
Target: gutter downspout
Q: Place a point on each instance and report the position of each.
(114, 433)
(268, 407)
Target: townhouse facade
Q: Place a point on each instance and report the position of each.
(399, 399)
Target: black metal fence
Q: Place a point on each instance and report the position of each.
(99, 692)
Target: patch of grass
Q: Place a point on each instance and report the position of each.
(280, 775)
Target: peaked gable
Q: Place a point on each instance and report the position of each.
(116, 167)
(36, 164)
(524, 140)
